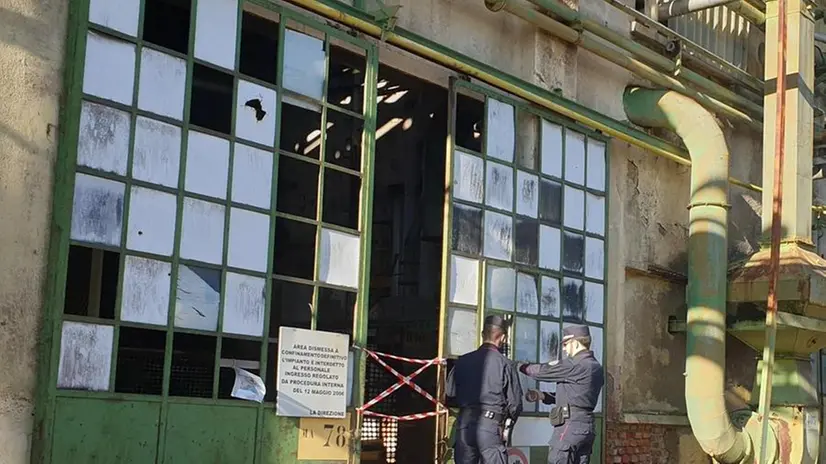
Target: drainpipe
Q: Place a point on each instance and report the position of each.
(707, 265)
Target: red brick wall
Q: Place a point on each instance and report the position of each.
(636, 443)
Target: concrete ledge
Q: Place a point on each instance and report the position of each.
(659, 419)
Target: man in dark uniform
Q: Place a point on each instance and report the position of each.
(579, 378)
(484, 385)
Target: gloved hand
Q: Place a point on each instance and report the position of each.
(533, 395)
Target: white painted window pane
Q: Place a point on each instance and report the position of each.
(594, 302)
(109, 70)
(527, 194)
(207, 165)
(574, 157)
(549, 348)
(596, 165)
(461, 330)
(119, 15)
(500, 130)
(202, 231)
(157, 155)
(525, 339)
(215, 31)
(103, 142)
(595, 214)
(499, 186)
(500, 288)
(146, 285)
(162, 84)
(498, 236)
(527, 298)
(198, 298)
(252, 176)
(244, 305)
(594, 258)
(249, 236)
(551, 145)
(549, 302)
(468, 177)
(151, 221)
(304, 63)
(574, 210)
(549, 247)
(464, 280)
(340, 258)
(255, 113)
(97, 210)
(85, 356)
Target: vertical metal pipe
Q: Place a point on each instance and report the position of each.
(774, 260)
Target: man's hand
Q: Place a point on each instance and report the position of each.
(533, 395)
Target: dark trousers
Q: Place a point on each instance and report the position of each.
(572, 443)
(479, 441)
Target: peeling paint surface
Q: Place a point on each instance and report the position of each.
(594, 302)
(109, 71)
(202, 234)
(551, 146)
(549, 302)
(499, 186)
(85, 356)
(500, 288)
(596, 165)
(340, 257)
(527, 298)
(216, 25)
(549, 247)
(574, 211)
(574, 157)
(468, 177)
(461, 329)
(498, 236)
(120, 15)
(464, 280)
(97, 210)
(594, 258)
(595, 214)
(207, 165)
(151, 221)
(244, 305)
(304, 63)
(103, 142)
(162, 84)
(146, 284)
(157, 154)
(198, 298)
(249, 235)
(252, 176)
(527, 194)
(500, 130)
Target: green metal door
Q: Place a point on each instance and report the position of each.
(214, 183)
(525, 235)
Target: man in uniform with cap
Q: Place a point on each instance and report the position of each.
(579, 378)
(484, 385)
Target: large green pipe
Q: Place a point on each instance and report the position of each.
(707, 265)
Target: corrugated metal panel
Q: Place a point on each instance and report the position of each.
(718, 30)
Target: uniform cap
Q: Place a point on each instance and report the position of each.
(575, 331)
(497, 321)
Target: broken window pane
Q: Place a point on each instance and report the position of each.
(297, 187)
(462, 332)
(596, 165)
(343, 144)
(501, 131)
(498, 236)
(255, 113)
(549, 247)
(216, 25)
(258, 53)
(335, 310)
(527, 194)
(162, 84)
(526, 243)
(207, 165)
(527, 142)
(550, 201)
(527, 298)
(549, 341)
(92, 280)
(151, 221)
(145, 296)
(109, 71)
(251, 176)
(574, 157)
(304, 64)
(244, 305)
(340, 258)
(120, 15)
(211, 100)
(166, 23)
(103, 142)
(573, 308)
(499, 186)
(573, 252)
(347, 71)
(157, 154)
(85, 356)
(97, 210)
(594, 258)
(467, 229)
(574, 213)
(198, 297)
(243, 354)
(500, 288)
(594, 302)
(468, 177)
(341, 199)
(294, 253)
(300, 129)
(464, 280)
(249, 237)
(525, 339)
(470, 125)
(549, 303)
(551, 145)
(202, 235)
(291, 306)
(193, 365)
(140, 361)
(595, 214)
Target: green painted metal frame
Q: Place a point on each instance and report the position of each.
(66, 169)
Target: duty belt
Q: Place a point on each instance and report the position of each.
(487, 414)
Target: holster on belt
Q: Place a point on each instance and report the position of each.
(559, 414)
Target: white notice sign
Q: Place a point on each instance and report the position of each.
(312, 373)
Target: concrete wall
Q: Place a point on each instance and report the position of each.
(32, 36)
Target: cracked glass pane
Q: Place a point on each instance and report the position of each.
(500, 288)
(103, 142)
(255, 113)
(499, 186)
(244, 305)
(464, 280)
(304, 64)
(216, 26)
(549, 247)
(162, 84)
(249, 237)
(157, 155)
(151, 225)
(97, 210)
(594, 302)
(145, 296)
(340, 257)
(198, 297)
(549, 303)
(467, 229)
(573, 308)
(573, 252)
(468, 177)
(527, 298)
(551, 146)
(574, 157)
(85, 356)
(500, 126)
(498, 236)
